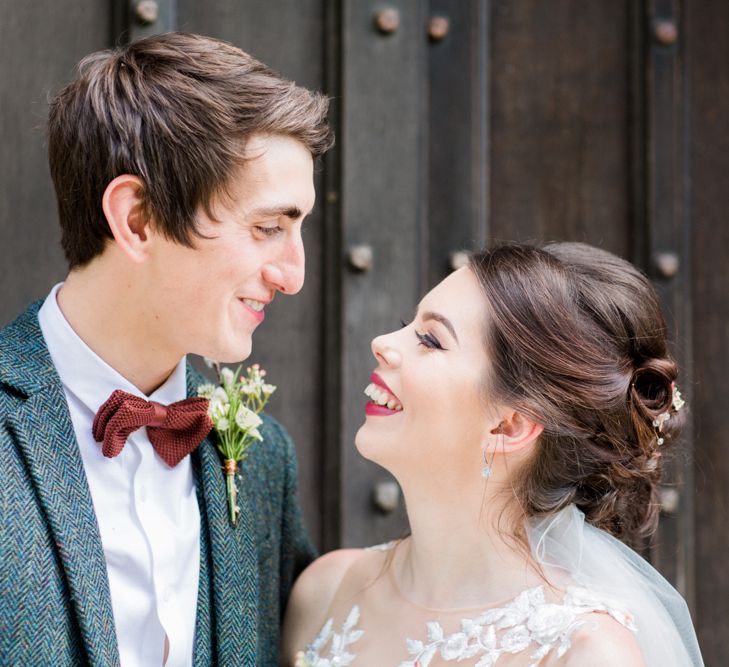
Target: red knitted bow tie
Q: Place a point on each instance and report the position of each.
(174, 430)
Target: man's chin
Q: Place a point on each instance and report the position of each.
(235, 358)
(231, 355)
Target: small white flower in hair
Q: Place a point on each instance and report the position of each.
(678, 401)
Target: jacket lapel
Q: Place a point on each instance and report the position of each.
(204, 646)
(45, 436)
(232, 559)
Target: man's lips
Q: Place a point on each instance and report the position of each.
(254, 307)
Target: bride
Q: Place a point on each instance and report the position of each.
(524, 412)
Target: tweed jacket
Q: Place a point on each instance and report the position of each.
(55, 606)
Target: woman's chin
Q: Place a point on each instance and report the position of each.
(374, 447)
(368, 445)
(359, 439)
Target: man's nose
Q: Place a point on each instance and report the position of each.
(286, 271)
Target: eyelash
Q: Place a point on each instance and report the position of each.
(269, 231)
(427, 340)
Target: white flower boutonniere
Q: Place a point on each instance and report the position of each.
(234, 408)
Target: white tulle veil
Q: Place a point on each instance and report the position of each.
(568, 548)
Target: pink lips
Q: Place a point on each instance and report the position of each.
(378, 410)
(374, 409)
(381, 383)
(259, 316)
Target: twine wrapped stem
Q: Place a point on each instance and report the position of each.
(231, 468)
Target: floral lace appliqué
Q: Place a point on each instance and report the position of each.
(339, 656)
(527, 622)
(528, 619)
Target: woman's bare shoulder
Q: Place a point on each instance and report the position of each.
(311, 598)
(602, 642)
(318, 583)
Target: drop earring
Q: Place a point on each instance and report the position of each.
(486, 470)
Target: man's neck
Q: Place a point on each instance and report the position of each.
(112, 321)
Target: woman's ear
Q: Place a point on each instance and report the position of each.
(122, 204)
(517, 431)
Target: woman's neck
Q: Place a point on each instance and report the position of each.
(461, 552)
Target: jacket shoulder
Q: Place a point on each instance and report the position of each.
(25, 364)
(22, 332)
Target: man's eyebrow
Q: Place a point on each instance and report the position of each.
(430, 315)
(289, 211)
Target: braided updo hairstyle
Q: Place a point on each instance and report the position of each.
(577, 342)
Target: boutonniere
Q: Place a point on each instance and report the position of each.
(234, 408)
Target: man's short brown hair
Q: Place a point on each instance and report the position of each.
(175, 110)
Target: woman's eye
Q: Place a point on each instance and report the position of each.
(429, 341)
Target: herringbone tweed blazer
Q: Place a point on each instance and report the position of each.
(55, 607)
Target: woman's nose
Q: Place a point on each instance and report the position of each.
(383, 347)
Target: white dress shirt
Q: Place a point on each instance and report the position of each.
(147, 512)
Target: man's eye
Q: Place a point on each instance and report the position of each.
(268, 231)
(429, 341)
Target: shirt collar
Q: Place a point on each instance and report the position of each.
(87, 375)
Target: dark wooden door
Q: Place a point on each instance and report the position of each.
(459, 122)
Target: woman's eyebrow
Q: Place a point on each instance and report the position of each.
(430, 315)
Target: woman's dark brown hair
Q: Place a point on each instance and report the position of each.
(175, 110)
(577, 342)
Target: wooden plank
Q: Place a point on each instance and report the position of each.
(332, 416)
(707, 25)
(665, 242)
(559, 95)
(383, 206)
(40, 44)
(458, 134)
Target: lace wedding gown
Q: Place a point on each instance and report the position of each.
(373, 624)
(520, 631)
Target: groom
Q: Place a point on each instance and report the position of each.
(183, 173)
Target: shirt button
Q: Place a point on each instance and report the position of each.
(167, 595)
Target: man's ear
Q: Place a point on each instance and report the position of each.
(517, 430)
(122, 204)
